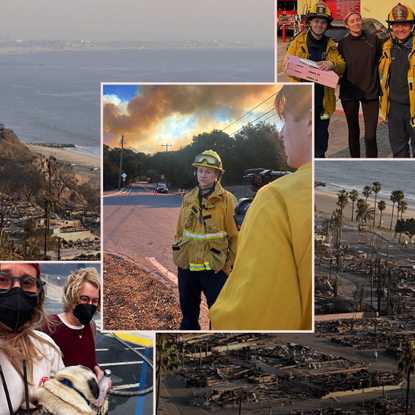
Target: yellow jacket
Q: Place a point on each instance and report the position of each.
(206, 238)
(298, 47)
(270, 287)
(384, 68)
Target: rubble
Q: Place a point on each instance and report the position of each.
(221, 370)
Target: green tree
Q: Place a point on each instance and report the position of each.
(353, 196)
(406, 365)
(167, 360)
(381, 207)
(376, 188)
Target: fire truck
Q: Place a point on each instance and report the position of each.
(375, 9)
(286, 10)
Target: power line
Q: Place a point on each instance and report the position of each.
(263, 115)
(249, 112)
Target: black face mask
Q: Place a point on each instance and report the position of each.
(84, 313)
(16, 308)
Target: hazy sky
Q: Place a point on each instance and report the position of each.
(152, 115)
(138, 19)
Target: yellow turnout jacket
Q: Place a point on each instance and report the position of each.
(270, 287)
(384, 67)
(298, 47)
(206, 236)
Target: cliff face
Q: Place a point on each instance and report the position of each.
(13, 151)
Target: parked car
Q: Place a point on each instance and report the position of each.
(337, 30)
(162, 188)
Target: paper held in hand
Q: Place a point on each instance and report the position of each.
(308, 70)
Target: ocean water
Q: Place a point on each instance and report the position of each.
(348, 175)
(55, 96)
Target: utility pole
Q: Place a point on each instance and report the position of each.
(119, 180)
(166, 145)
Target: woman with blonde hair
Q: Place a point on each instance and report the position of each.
(28, 358)
(74, 331)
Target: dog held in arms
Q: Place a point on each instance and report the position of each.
(71, 392)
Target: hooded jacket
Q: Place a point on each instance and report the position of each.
(298, 47)
(384, 68)
(206, 236)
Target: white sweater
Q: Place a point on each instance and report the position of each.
(43, 369)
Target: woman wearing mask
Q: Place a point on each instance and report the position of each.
(206, 239)
(360, 83)
(74, 331)
(28, 358)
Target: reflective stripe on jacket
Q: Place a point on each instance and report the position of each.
(206, 237)
(298, 47)
(384, 68)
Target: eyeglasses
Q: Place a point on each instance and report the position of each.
(31, 286)
(210, 160)
(86, 300)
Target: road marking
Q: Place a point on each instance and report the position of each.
(126, 348)
(121, 387)
(121, 363)
(172, 277)
(135, 339)
(116, 194)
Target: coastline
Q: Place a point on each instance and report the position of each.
(326, 202)
(83, 162)
(109, 48)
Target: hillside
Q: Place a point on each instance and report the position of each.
(13, 151)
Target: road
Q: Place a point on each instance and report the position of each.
(384, 240)
(338, 146)
(140, 225)
(131, 374)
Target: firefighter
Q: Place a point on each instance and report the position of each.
(206, 239)
(313, 44)
(270, 287)
(398, 67)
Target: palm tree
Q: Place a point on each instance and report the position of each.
(406, 365)
(353, 196)
(396, 196)
(402, 207)
(376, 188)
(363, 211)
(337, 220)
(343, 199)
(381, 207)
(367, 191)
(166, 360)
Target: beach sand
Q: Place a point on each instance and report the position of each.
(326, 202)
(83, 163)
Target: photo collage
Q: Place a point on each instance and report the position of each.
(203, 208)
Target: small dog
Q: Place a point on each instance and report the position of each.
(71, 392)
